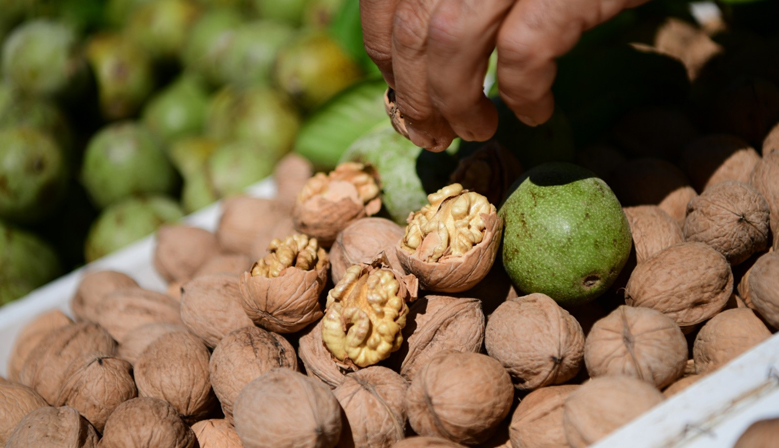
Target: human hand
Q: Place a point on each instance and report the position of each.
(434, 54)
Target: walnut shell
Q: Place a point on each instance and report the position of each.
(317, 360)
(361, 242)
(242, 356)
(426, 442)
(96, 385)
(211, 307)
(126, 309)
(53, 428)
(16, 401)
(394, 113)
(286, 409)
(244, 220)
(687, 43)
(680, 385)
(763, 290)
(216, 433)
(638, 342)
(138, 339)
(652, 229)
(181, 250)
(761, 434)
(146, 422)
(450, 245)
(602, 405)
(374, 404)
(490, 171)
(688, 282)
(174, 291)
(538, 342)
(291, 174)
(174, 368)
(459, 396)
(46, 366)
(716, 158)
(765, 179)
(233, 264)
(94, 286)
(538, 420)
(726, 336)
(29, 337)
(731, 217)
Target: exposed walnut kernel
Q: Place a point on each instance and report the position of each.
(299, 251)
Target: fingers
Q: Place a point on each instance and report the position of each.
(376, 17)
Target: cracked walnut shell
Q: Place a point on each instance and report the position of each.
(330, 202)
(281, 293)
(365, 314)
(361, 242)
(395, 115)
(317, 360)
(538, 420)
(726, 336)
(53, 427)
(451, 243)
(16, 401)
(146, 422)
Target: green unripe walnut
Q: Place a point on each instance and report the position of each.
(26, 262)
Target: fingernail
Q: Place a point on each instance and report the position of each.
(527, 120)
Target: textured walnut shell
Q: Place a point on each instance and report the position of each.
(286, 409)
(16, 401)
(29, 337)
(96, 385)
(53, 428)
(280, 229)
(763, 284)
(538, 420)
(395, 115)
(771, 142)
(291, 174)
(732, 217)
(216, 433)
(604, 404)
(716, 158)
(490, 171)
(138, 339)
(93, 288)
(317, 360)
(765, 178)
(361, 242)
(174, 368)
(233, 264)
(244, 220)
(211, 307)
(761, 434)
(688, 282)
(459, 396)
(242, 356)
(638, 342)
(653, 131)
(126, 309)
(680, 385)
(652, 229)
(146, 422)
(537, 342)
(45, 368)
(726, 336)
(374, 404)
(181, 250)
(426, 442)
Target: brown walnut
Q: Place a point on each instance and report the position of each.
(317, 359)
(763, 284)
(490, 171)
(216, 433)
(126, 309)
(146, 422)
(181, 250)
(653, 131)
(726, 336)
(29, 337)
(765, 178)
(680, 385)
(761, 434)
(211, 307)
(688, 43)
(291, 174)
(138, 339)
(652, 230)
(716, 158)
(771, 141)
(426, 442)
(245, 220)
(53, 427)
(749, 107)
(94, 286)
(16, 401)
(361, 242)
(538, 420)
(233, 264)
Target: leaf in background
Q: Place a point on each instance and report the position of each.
(347, 31)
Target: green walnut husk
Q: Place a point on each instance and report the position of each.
(124, 159)
(38, 113)
(189, 155)
(128, 221)
(33, 174)
(206, 42)
(177, 111)
(161, 27)
(43, 58)
(26, 262)
(289, 11)
(123, 73)
(198, 191)
(313, 68)
(118, 11)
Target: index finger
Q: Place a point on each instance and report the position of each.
(376, 17)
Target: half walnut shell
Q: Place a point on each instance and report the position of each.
(395, 115)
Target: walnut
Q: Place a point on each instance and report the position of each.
(146, 422)
(93, 288)
(281, 229)
(46, 366)
(181, 250)
(174, 291)
(653, 131)
(374, 404)
(688, 282)
(451, 243)
(216, 433)
(242, 356)
(96, 385)
(396, 116)
(281, 293)
(763, 290)
(604, 404)
(330, 202)
(638, 342)
(16, 401)
(688, 43)
(493, 290)
(765, 179)
(538, 420)
(53, 427)
(731, 217)
(317, 359)
(211, 307)
(747, 108)
(29, 337)
(538, 342)
(716, 158)
(174, 368)
(244, 220)
(291, 174)
(286, 409)
(459, 396)
(652, 230)
(426, 442)
(138, 339)
(233, 264)
(361, 242)
(761, 434)
(125, 309)
(365, 314)
(680, 385)
(726, 336)
(489, 171)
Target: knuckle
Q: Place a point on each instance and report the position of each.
(409, 27)
(413, 111)
(443, 31)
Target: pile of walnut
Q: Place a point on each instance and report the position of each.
(305, 322)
